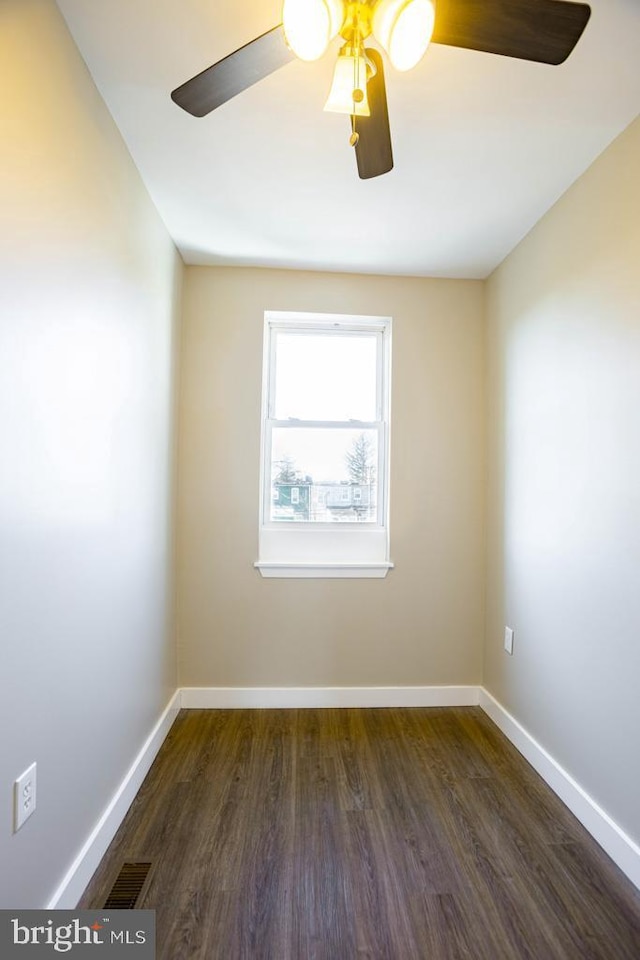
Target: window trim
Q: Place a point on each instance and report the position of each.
(325, 549)
(321, 571)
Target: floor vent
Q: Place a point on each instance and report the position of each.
(128, 886)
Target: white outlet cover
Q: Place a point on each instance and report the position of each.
(508, 639)
(24, 797)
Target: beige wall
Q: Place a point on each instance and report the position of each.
(88, 289)
(420, 625)
(563, 561)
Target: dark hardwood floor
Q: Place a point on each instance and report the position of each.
(387, 834)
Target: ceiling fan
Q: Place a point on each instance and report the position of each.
(545, 31)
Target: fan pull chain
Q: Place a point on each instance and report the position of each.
(355, 136)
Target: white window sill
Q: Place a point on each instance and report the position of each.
(324, 570)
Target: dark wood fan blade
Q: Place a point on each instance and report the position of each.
(373, 149)
(542, 30)
(228, 77)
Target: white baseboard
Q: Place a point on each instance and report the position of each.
(624, 852)
(229, 698)
(620, 847)
(84, 866)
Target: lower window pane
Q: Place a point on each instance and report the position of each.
(320, 475)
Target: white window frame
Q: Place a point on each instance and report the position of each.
(318, 549)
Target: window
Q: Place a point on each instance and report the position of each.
(325, 446)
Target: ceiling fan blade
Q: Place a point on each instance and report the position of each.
(545, 31)
(230, 76)
(373, 149)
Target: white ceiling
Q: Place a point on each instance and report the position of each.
(483, 145)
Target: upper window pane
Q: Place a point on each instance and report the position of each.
(325, 376)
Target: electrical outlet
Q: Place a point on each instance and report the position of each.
(508, 640)
(24, 797)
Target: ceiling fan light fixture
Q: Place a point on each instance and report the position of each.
(310, 25)
(403, 28)
(348, 92)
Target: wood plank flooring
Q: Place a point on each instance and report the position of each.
(387, 834)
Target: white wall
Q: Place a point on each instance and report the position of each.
(421, 625)
(563, 560)
(89, 283)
